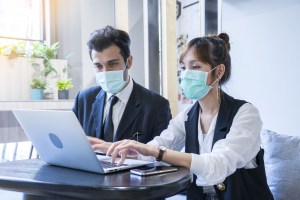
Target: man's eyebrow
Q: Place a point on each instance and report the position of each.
(113, 60)
(109, 61)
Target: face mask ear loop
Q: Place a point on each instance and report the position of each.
(217, 87)
(124, 71)
(213, 69)
(126, 64)
(215, 81)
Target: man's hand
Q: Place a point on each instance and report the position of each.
(99, 145)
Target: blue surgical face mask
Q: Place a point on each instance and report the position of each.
(111, 81)
(193, 83)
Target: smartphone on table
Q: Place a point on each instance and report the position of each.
(151, 170)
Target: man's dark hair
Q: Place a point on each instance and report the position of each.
(105, 37)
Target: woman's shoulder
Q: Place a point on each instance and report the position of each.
(249, 107)
(242, 106)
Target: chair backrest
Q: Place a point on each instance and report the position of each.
(14, 144)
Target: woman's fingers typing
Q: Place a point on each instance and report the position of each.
(123, 154)
(119, 148)
(126, 148)
(112, 151)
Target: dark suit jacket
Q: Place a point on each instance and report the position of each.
(146, 112)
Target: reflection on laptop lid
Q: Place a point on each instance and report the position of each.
(60, 140)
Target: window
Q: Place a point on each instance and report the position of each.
(21, 20)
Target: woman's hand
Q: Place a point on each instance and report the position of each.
(133, 148)
(129, 148)
(98, 144)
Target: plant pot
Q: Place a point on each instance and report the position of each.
(37, 94)
(63, 94)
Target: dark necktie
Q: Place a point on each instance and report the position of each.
(108, 125)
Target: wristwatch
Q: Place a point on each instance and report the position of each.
(162, 150)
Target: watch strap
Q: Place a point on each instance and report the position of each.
(161, 153)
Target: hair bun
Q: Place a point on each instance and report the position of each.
(225, 38)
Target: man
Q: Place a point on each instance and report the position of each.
(118, 108)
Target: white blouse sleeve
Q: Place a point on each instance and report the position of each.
(240, 146)
(174, 136)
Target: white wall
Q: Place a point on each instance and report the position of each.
(69, 35)
(265, 41)
(76, 19)
(136, 33)
(95, 14)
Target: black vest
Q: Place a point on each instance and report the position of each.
(243, 184)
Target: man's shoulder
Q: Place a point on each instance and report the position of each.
(148, 94)
(90, 92)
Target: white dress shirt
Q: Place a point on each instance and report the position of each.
(237, 150)
(119, 107)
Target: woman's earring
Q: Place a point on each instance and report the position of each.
(218, 89)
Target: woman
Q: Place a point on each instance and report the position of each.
(221, 134)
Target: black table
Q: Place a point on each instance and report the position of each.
(38, 180)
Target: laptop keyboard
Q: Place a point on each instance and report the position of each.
(106, 164)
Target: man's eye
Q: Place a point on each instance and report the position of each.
(113, 64)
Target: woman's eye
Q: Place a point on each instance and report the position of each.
(98, 66)
(196, 67)
(182, 68)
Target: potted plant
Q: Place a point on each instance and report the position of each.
(46, 52)
(37, 88)
(63, 86)
(13, 51)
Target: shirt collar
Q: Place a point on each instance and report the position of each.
(124, 94)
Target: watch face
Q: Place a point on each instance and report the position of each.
(162, 148)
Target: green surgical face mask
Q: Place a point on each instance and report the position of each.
(111, 81)
(193, 83)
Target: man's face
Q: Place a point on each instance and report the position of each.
(110, 59)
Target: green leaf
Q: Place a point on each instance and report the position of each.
(64, 84)
(38, 84)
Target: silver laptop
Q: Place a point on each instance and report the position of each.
(60, 140)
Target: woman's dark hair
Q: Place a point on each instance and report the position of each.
(212, 50)
(105, 37)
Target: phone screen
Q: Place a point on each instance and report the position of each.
(146, 171)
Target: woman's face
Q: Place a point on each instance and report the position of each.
(190, 61)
